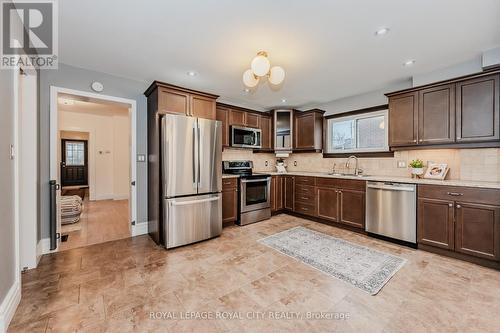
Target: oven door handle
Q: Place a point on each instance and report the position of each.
(254, 180)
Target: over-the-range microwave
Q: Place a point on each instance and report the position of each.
(245, 137)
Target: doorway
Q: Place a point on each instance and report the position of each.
(92, 149)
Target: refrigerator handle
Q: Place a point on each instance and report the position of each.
(195, 160)
(199, 152)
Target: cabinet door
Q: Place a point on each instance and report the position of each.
(252, 120)
(202, 107)
(327, 203)
(229, 205)
(478, 109)
(436, 223)
(222, 115)
(352, 208)
(403, 119)
(173, 101)
(237, 118)
(266, 128)
(279, 193)
(478, 230)
(288, 191)
(304, 131)
(436, 115)
(273, 193)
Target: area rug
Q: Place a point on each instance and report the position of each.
(365, 268)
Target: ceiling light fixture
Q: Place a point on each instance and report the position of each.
(260, 67)
(283, 100)
(382, 31)
(192, 73)
(408, 63)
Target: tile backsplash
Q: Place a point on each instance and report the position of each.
(464, 164)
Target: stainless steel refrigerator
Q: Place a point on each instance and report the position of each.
(192, 179)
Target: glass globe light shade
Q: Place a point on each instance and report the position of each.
(260, 65)
(249, 79)
(276, 75)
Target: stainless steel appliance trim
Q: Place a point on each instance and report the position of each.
(255, 180)
(391, 210)
(262, 205)
(249, 129)
(194, 157)
(255, 216)
(183, 203)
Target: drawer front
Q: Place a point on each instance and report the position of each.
(229, 183)
(306, 209)
(349, 184)
(305, 180)
(306, 190)
(458, 193)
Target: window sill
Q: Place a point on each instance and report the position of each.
(359, 154)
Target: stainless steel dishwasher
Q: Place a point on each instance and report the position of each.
(391, 210)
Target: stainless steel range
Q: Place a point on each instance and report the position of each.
(255, 191)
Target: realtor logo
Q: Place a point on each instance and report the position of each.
(29, 34)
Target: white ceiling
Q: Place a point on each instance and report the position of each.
(327, 48)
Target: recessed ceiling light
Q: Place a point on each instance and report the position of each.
(192, 73)
(382, 31)
(283, 100)
(409, 62)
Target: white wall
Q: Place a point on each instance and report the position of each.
(108, 149)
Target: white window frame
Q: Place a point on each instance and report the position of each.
(330, 121)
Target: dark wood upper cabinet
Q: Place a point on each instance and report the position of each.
(267, 131)
(202, 107)
(308, 130)
(252, 120)
(237, 118)
(173, 101)
(478, 230)
(222, 114)
(478, 109)
(463, 112)
(403, 119)
(436, 115)
(436, 223)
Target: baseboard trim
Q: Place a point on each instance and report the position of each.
(140, 229)
(110, 197)
(9, 306)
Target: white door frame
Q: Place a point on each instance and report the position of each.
(137, 229)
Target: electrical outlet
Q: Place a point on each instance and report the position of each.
(401, 164)
(294, 163)
(267, 163)
(141, 158)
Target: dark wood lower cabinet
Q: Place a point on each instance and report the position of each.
(229, 201)
(462, 222)
(478, 230)
(435, 223)
(288, 192)
(276, 193)
(327, 201)
(352, 208)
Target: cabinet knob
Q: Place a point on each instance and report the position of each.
(415, 140)
(458, 206)
(450, 205)
(421, 140)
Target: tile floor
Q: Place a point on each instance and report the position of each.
(115, 286)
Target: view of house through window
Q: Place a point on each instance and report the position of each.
(365, 132)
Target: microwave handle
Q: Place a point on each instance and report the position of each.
(254, 143)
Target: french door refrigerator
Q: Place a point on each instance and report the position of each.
(192, 179)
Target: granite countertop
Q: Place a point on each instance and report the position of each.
(226, 175)
(451, 182)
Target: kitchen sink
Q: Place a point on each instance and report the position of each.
(347, 174)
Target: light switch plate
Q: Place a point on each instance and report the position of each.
(141, 158)
(401, 164)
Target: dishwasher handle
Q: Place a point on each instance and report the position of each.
(391, 187)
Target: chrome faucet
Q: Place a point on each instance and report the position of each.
(347, 164)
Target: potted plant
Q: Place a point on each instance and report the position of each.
(417, 168)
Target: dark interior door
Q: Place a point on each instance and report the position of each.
(74, 162)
